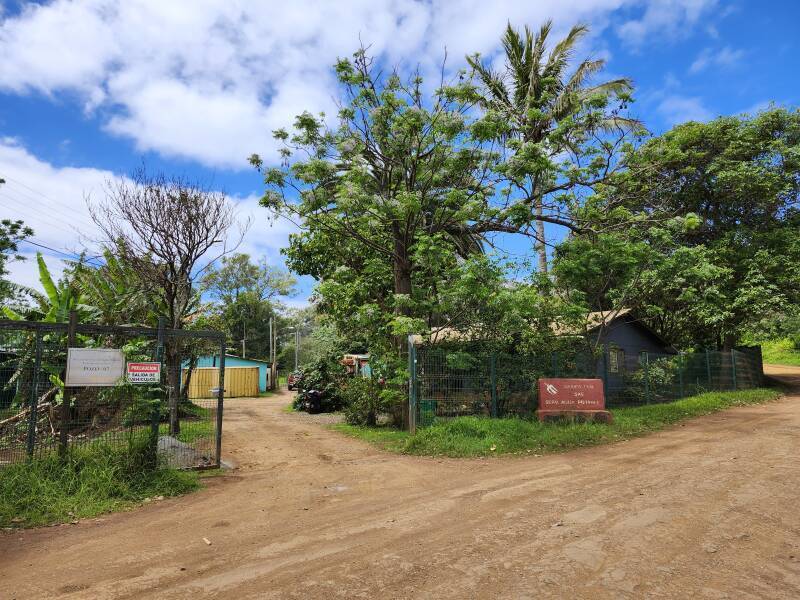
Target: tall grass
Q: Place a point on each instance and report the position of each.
(780, 352)
(480, 436)
(90, 480)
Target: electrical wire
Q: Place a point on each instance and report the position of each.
(51, 203)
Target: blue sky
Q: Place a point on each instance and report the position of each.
(89, 89)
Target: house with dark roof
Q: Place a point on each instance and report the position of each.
(627, 342)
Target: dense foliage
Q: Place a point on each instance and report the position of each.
(732, 255)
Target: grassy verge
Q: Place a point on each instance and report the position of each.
(780, 352)
(387, 438)
(191, 431)
(92, 480)
(478, 436)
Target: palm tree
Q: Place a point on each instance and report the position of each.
(536, 91)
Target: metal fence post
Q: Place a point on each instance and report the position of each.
(34, 405)
(493, 376)
(554, 364)
(647, 377)
(708, 371)
(155, 421)
(412, 385)
(178, 379)
(155, 414)
(733, 368)
(680, 374)
(220, 402)
(68, 392)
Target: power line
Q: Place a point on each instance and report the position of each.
(70, 255)
(38, 202)
(41, 219)
(30, 217)
(55, 205)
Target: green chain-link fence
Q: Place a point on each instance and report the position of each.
(450, 381)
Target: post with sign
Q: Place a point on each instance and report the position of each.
(582, 398)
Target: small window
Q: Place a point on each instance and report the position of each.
(643, 358)
(616, 360)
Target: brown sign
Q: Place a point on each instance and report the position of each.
(571, 394)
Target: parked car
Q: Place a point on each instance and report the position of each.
(293, 379)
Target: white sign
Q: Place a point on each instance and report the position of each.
(144, 372)
(94, 367)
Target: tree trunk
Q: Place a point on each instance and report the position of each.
(728, 342)
(188, 381)
(541, 246)
(401, 265)
(402, 273)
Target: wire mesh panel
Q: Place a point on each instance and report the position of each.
(39, 414)
(451, 384)
(451, 381)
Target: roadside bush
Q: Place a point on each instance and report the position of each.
(656, 381)
(795, 338)
(326, 376)
(364, 399)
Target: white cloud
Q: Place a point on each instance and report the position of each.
(672, 19)
(679, 109)
(209, 80)
(52, 201)
(724, 58)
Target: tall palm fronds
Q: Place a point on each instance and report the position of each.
(536, 91)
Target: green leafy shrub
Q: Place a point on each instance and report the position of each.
(655, 381)
(326, 375)
(795, 338)
(364, 399)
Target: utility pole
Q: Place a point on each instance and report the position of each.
(296, 348)
(272, 370)
(270, 339)
(244, 338)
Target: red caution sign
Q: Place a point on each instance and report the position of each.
(144, 372)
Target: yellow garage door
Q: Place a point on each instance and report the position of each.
(239, 381)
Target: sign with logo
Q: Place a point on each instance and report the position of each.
(571, 395)
(94, 367)
(144, 372)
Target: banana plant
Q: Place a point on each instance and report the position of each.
(58, 300)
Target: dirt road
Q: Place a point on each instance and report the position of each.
(705, 510)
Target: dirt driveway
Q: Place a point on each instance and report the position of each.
(705, 510)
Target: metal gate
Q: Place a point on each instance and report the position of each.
(39, 414)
